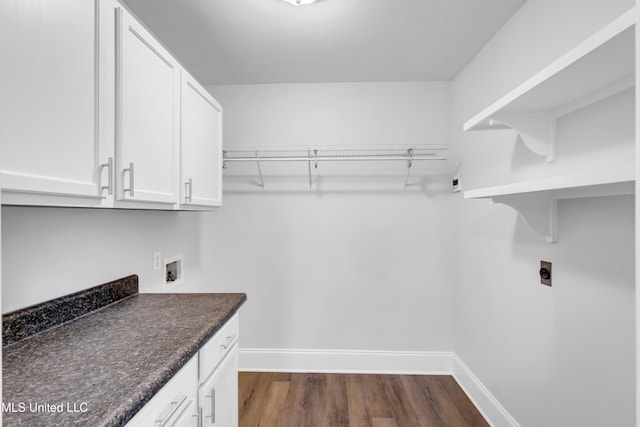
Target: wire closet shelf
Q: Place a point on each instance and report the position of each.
(314, 155)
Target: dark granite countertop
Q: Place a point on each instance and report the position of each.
(107, 364)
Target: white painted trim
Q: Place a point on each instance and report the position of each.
(346, 361)
(495, 414)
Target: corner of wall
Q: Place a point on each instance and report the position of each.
(490, 408)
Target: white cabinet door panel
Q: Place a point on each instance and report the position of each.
(201, 145)
(147, 115)
(48, 129)
(218, 396)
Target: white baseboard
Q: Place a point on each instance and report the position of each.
(343, 361)
(495, 414)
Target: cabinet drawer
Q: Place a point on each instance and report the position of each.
(218, 346)
(175, 403)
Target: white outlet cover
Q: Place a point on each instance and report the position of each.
(456, 183)
(157, 260)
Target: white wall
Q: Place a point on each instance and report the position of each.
(50, 252)
(337, 268)
(335, 113)
(551, 356)
(347, 269)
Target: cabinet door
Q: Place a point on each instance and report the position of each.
(147, 90)
(218, 396)
(201, 146)
(48, 125)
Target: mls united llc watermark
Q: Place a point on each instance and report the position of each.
(44, 407)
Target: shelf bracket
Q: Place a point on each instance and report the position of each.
(259, 171)
(409, 164)
(538, 210)
(309, 163)
(537, 131)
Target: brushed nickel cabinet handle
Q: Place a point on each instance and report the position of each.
(227, 342)
(130, 190)
(188, 191)
(109, 186)
(175, 405)
(212, 396)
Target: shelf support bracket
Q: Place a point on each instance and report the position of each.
(259, 171)
(538, 210)
(309, 164)
(409, 164)
(537, 131)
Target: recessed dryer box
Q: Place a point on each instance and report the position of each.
(173, 272)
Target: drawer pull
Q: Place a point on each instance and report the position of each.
(228, 341)
(212, 396)
(175, 405)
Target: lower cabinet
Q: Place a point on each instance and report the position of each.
(204, 392)
(218, 395)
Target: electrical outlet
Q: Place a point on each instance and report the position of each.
(157, 260)
(456, 183)
(545, 273)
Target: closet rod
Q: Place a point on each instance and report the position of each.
(332, 158)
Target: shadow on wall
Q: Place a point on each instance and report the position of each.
(578, 140)
(522, 157)
(589, 311)
(431, 186)
(595, 239)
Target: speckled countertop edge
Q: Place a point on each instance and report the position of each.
(197, 318)
(158, 379)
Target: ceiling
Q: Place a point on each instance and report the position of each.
(270, 41)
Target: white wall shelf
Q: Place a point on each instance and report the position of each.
(536, 200)
(599, 67)
(564, 186)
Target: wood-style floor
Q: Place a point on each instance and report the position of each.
(346, 400)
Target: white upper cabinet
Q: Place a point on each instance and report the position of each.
(147, 102)
(201, 147)
(48, 86)
(92, 111)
